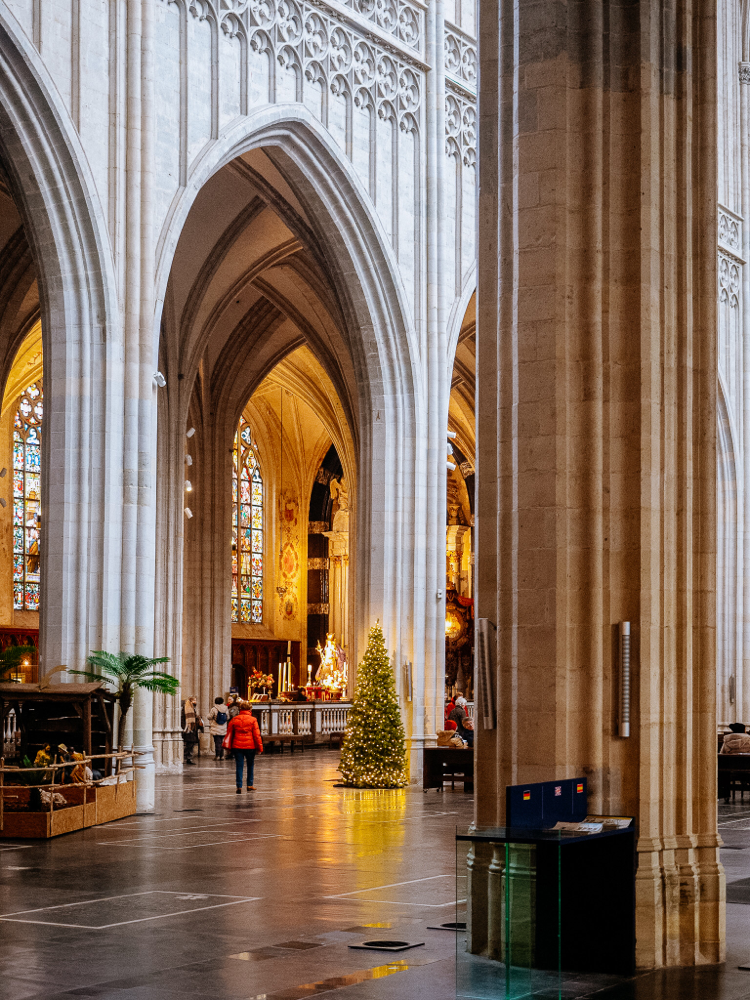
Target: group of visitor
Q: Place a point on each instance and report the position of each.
(233, 728)
(457, 719)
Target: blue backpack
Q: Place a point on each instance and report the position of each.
(221, 718)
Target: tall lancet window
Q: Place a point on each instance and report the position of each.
(247, 529)
(27, 498)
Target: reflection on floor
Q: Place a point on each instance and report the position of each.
(260, 896)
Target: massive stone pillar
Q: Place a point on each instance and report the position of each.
(596, 424)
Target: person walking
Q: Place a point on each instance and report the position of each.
(217, 726)
(243, 736)
(189, 728)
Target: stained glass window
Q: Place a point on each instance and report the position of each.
(247, 529)
(27, 498)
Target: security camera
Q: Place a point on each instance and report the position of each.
(188, 513)
(451, 434)
(451, 466)
(159, 379)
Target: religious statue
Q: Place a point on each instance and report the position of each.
(332, 673)
(340, 493)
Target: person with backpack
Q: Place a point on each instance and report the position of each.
(218, 718)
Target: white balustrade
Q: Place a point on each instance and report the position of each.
(334, 719)
(285, 721)
(304, 721)
(10, 731)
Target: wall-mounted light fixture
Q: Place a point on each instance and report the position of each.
(624, 717)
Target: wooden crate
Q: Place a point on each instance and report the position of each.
(101, 805)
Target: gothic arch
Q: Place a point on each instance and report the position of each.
(457, 314)
(376, 322)
(66, 228)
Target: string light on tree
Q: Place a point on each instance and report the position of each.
(373, 754)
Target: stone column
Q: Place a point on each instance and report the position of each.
(338, 583)
(742, 683)
(138, 524)
(596, 426)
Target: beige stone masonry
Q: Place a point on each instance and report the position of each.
(596, 425)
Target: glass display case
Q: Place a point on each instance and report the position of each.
(537, 908)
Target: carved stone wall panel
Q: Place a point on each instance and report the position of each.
(460, 57)
(461, 151)
(403, 20)
(304, 51)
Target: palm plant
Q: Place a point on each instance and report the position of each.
(128, 671)
(12, 657)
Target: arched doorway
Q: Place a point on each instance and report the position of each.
(268, 256)
(459, 566)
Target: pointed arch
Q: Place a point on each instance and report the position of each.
(382, 344)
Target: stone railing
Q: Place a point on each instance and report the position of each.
(315, 720)
(10, 728)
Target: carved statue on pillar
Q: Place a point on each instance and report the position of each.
(339, 563)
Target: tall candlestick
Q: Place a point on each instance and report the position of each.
(289, 648)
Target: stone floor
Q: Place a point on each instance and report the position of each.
(260, 896)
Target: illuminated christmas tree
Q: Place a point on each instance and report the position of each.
(373, 754)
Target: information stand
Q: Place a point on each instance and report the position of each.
(543, 905)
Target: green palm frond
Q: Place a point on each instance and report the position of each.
(111, 664)
(164, 683)
(91, 675)
(127, 672)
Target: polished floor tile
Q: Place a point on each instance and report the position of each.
(261, 895)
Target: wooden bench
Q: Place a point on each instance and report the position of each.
(442, 763)
(734, 771)
(282, 738)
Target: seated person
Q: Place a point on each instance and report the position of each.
(458, 714)
(736, 741)
(466, 731)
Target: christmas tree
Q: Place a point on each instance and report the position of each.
(373, 754)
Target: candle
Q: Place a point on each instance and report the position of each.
(289, 648)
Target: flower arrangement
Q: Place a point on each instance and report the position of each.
(259, 680)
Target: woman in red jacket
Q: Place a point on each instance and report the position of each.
(244, 739)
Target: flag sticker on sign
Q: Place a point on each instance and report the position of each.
(526, 796)
(579, 787)
(558, 789)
